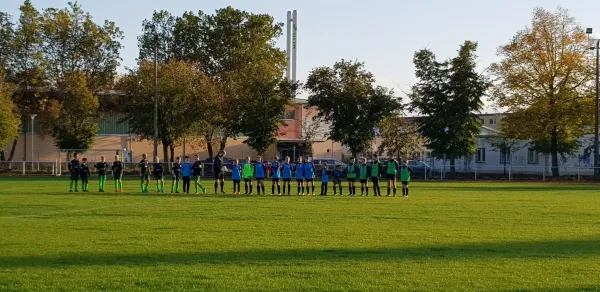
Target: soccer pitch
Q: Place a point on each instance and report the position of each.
(445, 237)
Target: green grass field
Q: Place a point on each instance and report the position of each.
(445, 237)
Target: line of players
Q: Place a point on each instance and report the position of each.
(303, 172)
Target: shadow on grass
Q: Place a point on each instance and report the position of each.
(508, 187)
(511, 250)
(587, 288)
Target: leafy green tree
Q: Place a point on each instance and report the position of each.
(157, 36)
(73, 121)
(268, 100)
(448, 95)
(348, 100)
(400, 137)
(73, 42)
(7, 35)
(506, 146)
(10, 120)
(183, 94)
(545, 80)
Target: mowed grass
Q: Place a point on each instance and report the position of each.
(445, 237)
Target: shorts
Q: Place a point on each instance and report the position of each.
(145, 176)
(364, 181)
(176, 176)
(275, 179)
(248, 180)
(300, 180)
(102, 175)
(158, 176)
(405, 183)
(309, 180)
(375, 179)
(195, 177)
(391, 176)
(117, 176)
(75, 176)
(84, 179)
(219, 175)
(287, 180)
(236, 181)
(337, 181)
(260, 178)
(351, 180)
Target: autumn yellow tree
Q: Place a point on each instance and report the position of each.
(400, 137)
(545, 80)
(10, 120)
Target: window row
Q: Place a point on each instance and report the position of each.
(533, 156)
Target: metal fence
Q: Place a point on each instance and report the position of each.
(441, 172)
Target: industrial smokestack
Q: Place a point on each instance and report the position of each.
(294, 45)
(288, 49)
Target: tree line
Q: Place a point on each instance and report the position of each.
(220, 75)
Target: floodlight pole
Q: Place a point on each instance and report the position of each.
(32, 129)
(596, 142)
(155, 153)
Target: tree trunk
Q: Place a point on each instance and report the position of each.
(209, 147)
(12, 150)
(222, 143)
(554, 153)
(2, 156)
(452, 167)
(172, 148)
(165, 146)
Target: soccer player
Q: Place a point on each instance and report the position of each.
(275, 176)
(247, 174)
(363, 170)
(405, 174)
(84, 174)
(309, 176)
(186, 172)
(375, 169)
(286, 170)
(236, 177)
(300, 176)
(101, 167)
(197, 173)
(74, 167)
(176, 173)
(117, 170)
(324, 179)
(392, 173)
(259, 174)
(158, 173)
(219, 171)
(144, 173)
(337, 180)
(351, 176)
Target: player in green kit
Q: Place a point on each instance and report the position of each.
(375, 169)
(74, 167)
(351, 176)
(247, 175)
(405, 175)
(117, 170)
(101, 167)
(363, 175)
(196, 173)
(144, 173)
(84, 174)
(176, 173)
(158, 173)
(392, 173)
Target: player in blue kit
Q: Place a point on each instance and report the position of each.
(324, 179)
(300, 176)
(236, 177)
(286, 171)
(309, 176)
(275, 176)
(337, 179)
(259, 174)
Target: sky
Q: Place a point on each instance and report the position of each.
(382, 33)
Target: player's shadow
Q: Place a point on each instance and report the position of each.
(549, 250)
(506, 187)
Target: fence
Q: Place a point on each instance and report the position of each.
(440, 172)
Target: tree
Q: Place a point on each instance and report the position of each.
(271, 98)
(157, 36)
(348, 100)
(183, 95)
(7, 35)
(312, 129)
(449, 94)
(399, 137)
(545, 81)
(506, 146)
(73, 121)
(73, 42)
(10, 120)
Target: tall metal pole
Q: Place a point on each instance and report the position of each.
(32, 128)
(294, 45)
(596, 156)
(288, 72)
(155, 104)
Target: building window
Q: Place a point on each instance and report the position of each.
(290, 115)
(480, 155)
(505, 156)
(482, 121)
(492, 121)
(533, 157)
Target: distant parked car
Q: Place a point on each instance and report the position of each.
(419, 167)
(331, 164)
